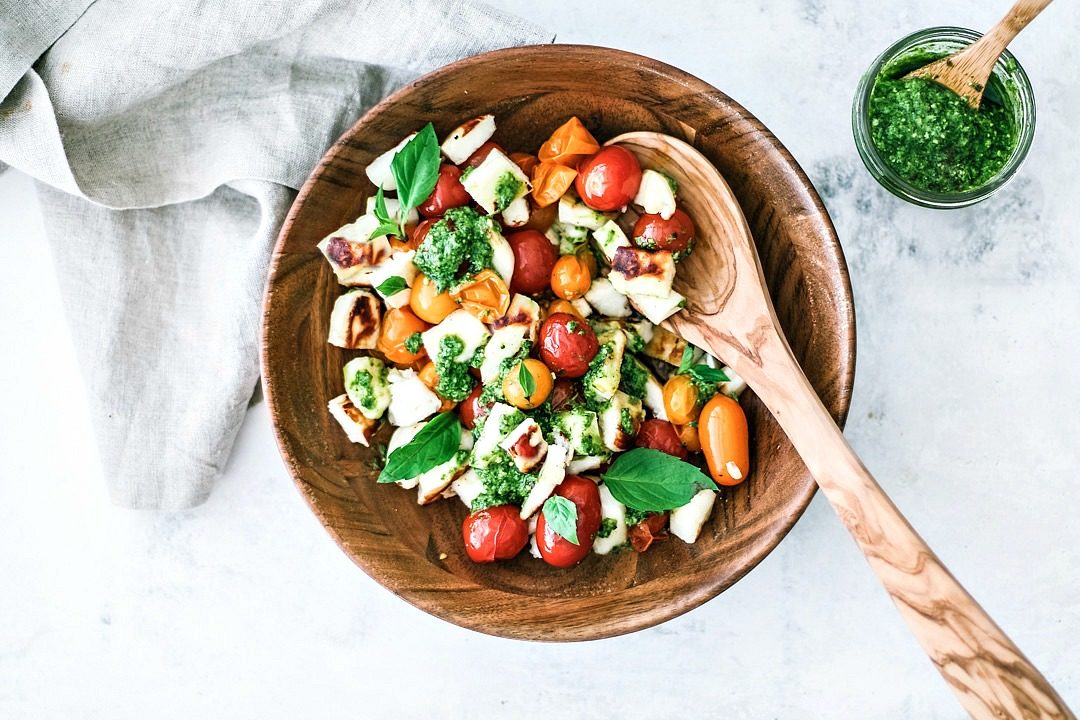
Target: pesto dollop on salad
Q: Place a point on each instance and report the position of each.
(502, 314)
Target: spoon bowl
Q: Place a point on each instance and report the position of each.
(730, 315)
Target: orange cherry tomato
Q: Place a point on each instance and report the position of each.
(563, 306)
(515, 393)
(541, 218)
(428, 303)
(549, 181)
(681, 399)
(569, 144)
(570, 278)
(589, 259)
(725, 440)
(485, 296)
(525, 161)
(430, 377)
(688, 436)
(398, 325)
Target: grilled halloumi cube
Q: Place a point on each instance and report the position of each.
(620, 420)
(574, 212)
(638, 334)
(665, 346)
(401, 437)
(516, 213)
(654, 397)
(610, 508)
(685, 522)
(467, 138)
(491, 434)
(523, 312)
(504, 343)
(358, 428)
(656, 194)
(585, 464)
(355, 320)
(551, 475)
(526, 445)
(658, 309)
(495, 183)
(610, 237)
(367, 385)
(410, 399)
(601, 383)
(379, 171)
(636, 272)
(735, 384)
(606, 300)
(400, 264)
(393, 205)
(432, 484)
(468, 486)
(502, 255)
(352, 253)
(567, 238)
(580, 428)
(584, 309)
(473, 334)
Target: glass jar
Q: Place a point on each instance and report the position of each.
(939, 41)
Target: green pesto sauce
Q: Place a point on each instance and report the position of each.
(414, 342)
(455, 382)
(506, 189)
(607, 526)
(633, 377)
(503, 483)
(456, 248)
(932, 138)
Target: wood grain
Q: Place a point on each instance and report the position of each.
(417, 551)
(967, 71)
(731, 313)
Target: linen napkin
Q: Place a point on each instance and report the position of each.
(168, 139)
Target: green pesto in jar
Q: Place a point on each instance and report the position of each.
(931, 137)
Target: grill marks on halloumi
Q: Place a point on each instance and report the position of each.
(355, 321)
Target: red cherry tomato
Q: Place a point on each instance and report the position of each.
(534, 257)
(567, 344)
(418, 233)
(448, 193)
(565, 394)
(609, 179)
(482, 152)
(495, 533)
(554, 548)
(661, 435)
(675, 234)
(648, 531)
(471, 409)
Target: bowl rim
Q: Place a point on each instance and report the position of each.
(692, 597)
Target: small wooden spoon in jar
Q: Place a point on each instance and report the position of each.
(729, 313)
(966, 72)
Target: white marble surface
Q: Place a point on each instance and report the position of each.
(965, 406)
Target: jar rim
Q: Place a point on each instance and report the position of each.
(1006, 64)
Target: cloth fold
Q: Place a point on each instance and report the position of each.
(168, 141)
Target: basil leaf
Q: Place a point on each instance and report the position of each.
(416, 169)
(706, 374)
(392, 286)
(561, 515)
(687, 358)
(653, 481)
(381, 213)
(433, 445)
(528, 382)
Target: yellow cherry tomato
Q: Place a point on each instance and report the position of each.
(542, 378)
(398, 325)
(570, 278)
(428, 303)
(725, 440)
(485, 296)
(681, 399)
(430, 377)
(563, 306)
(688, 436)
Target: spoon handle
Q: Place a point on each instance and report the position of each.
(988, 673)
(1018, 17)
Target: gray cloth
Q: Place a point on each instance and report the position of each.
(169, 139)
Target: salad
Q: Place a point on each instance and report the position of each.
(506, 308)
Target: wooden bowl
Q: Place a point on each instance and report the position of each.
(417, 551)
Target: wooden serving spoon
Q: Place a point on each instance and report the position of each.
(729, 313)
(967, 71)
